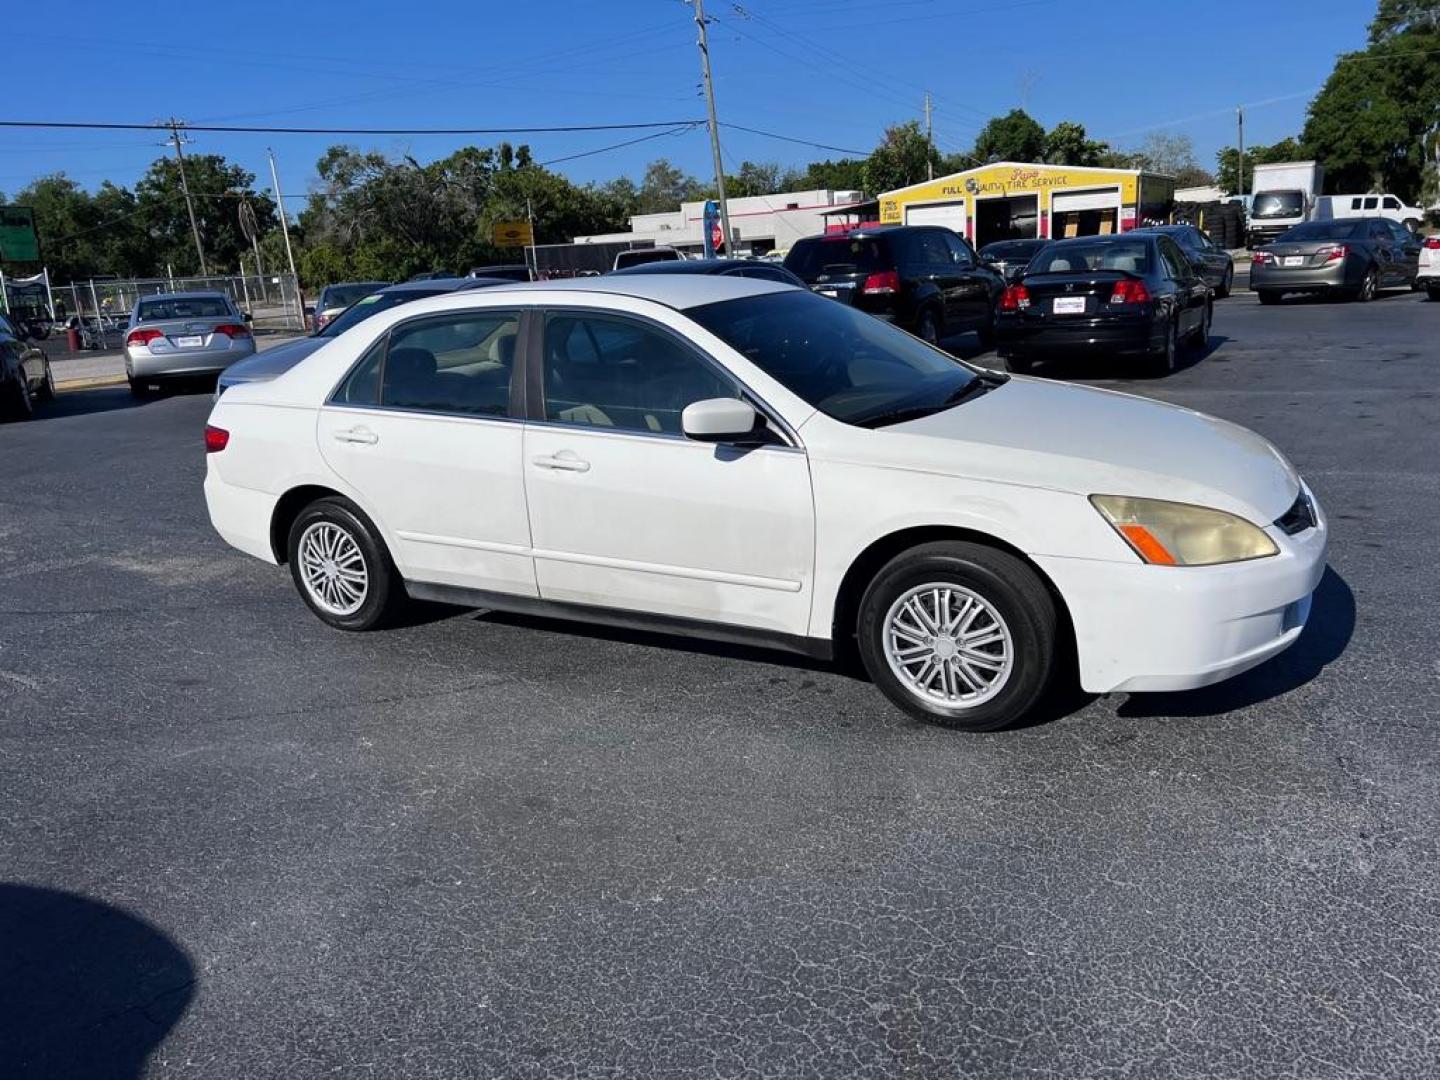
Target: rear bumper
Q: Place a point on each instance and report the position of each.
(1014, 338)
(1143, 628)
(241, 516)
(141, 363)
(1305, 279)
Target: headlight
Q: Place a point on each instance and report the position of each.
(1178, 534)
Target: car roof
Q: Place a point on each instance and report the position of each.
(194, 295)
(352, 284)
(449, 284)
(687, 266)
(679, 291)
(1169, 230)
(1111, 238)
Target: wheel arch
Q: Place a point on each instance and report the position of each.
(288, 508)
(867, 564)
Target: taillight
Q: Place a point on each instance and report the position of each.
(142, 337)
(216, 439)
(233, 330)
(1260, 258)
(1015, 298)
(1432, 243)
(1130, 291)
(1335, 252)
(887, 281)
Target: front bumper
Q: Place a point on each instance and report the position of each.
(1140, 627)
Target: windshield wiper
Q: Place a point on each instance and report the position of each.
(976, 387)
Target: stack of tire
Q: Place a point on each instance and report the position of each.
(1224, 221)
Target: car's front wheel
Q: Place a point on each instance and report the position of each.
(1369, 286)
(959, 634)
(341, 567)
(21, 406)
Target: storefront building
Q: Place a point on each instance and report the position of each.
(1015, 201)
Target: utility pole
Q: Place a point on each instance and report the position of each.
(284, 221)
(189, 202)
(704, 44)
(1240, 137)
(930, 141)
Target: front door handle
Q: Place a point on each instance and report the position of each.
(564, 461)
(363, 436)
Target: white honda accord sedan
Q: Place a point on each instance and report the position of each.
(737, 459)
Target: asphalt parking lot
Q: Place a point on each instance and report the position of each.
(237, 843)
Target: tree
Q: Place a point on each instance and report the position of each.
(761, 178)
(1172, 155)
(1227, 177)
(1066, 144)
(665, 187)
(84, 235)
(847, 174)
(904, 156)
(217, 189)
(1369, 122)
(1012, 137)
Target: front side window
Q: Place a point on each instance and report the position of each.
(849, 365)
(1392, 203)
(607, 371)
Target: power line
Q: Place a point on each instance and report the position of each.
(256, 130)
(619, 145)
(792, 139)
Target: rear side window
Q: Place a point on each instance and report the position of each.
(813, 258)
(452, 364)
(202, 307)
(362, 385)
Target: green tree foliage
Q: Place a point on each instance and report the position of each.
(762, 178)
(665, 187)
(217, 189)
(1370, 122)
(1228, 159)
(1067, 144)
(1013, 137)
(847, 174)
(903, 157)
(1171, 155)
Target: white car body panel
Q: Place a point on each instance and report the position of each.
(763, 538)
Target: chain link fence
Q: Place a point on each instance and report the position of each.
(99, 309)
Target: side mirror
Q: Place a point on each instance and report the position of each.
(720, 420)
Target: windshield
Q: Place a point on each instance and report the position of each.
(1325, 230)
(813, 258)
(342, 296)
(197, 307)
(373, 304)
(1131, 256)
(849, 365)
(1273, 204)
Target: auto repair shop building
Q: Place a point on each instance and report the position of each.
(1016, 201)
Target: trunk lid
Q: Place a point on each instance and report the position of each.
(1073, 293)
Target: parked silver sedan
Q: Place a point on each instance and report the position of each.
(183, 335)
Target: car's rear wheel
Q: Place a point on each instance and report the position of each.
(1020, 365)
(928, 328)
(1225, 282)
(959, 634)
(1268, 296)
(1200, 336)
(341, 567)
(20, 406)
(1433, 292)
(1368, 287)
(1163, 359)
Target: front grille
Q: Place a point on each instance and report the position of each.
(1299, 517)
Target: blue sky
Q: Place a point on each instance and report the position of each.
(832, 71)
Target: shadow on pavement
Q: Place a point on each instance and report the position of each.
(1326, 634)
(86, 990)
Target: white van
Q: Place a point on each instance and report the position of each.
(1369, 205)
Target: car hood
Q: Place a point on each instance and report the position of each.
(1099, 442)
(273, 362)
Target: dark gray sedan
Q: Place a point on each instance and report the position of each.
(1354, 258)
(1212, 261)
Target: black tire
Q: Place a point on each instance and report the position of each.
(1200, 336)
(1268, 296)
(1433, 292)
(383, 592)
(47, 388)
(1009, 588)
(1163, 360)
(1225, 283)
(927, 327)
(139, 389)
(19, 404)
(986, 332)
(1368, 287)
(1019, 365)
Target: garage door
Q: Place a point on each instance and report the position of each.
(1085, 200)
(949, 214)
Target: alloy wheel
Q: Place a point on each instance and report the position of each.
(332, 566)
(948, 645)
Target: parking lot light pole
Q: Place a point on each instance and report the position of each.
(704, 43)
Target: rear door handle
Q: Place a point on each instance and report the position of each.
(363, 436)
(565, 461)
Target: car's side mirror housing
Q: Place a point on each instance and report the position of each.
(722, 420)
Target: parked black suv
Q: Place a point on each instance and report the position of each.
(923, 278)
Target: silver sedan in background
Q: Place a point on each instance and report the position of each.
(183, 335)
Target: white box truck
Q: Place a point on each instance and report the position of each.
(1285, 194)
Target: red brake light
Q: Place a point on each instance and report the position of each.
(1130, 291)
(142, 337)
(233, 330)
(216, 439)
(887, 281)
(1432, 243)
(1015, 298)
(1335, 252)
(1259, 258)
